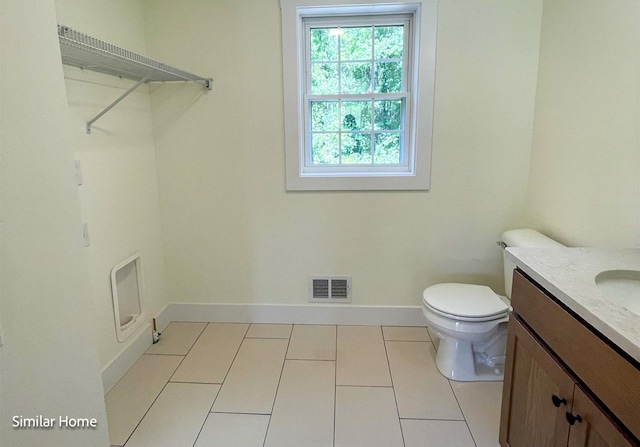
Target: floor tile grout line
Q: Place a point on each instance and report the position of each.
(311, 360)
(395, 397)
(244, 337)
(432, 419)
(365, 386)
(266, 432)
(462, 412)
(195, 441)
(335, 387)
(253, 337)
(411, 341)
(225, 376)
(240, 414)
(147, 412)
(166, 383)
(275, 396)
(188, 350)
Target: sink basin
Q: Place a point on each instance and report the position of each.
(622, 287)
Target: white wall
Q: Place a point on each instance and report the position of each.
(49, 364)
(232, 233)
(119, 195)
(585, 169)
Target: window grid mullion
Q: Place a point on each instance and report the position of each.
(339, 101)
(373, 57)
(358, 97)
(339, 130)
(373, 130)
(339, 64)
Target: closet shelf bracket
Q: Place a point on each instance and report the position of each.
(113, 104)
(86, 52)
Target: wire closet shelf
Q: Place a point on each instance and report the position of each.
(86, 52)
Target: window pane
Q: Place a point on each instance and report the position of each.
(387, 148)
(355, 44)
(356, 115)
(356, 77)
(324, 115)
(324, 79)
(388, 78)
(324, 45)
(389, 42)
(388, 114)
(356, 148)
(325, 148)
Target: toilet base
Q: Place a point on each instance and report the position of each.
(455, 360)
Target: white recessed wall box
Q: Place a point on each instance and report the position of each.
(127, 287)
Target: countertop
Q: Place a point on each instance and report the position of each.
(569, 275)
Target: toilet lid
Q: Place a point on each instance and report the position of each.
(464, 300)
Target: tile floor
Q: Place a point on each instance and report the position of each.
(275, 385)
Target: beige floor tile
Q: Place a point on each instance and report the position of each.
(269, 331)
(303, 411)
(312, 342)
(131, 397)
(361, 358)
(210, 357)
(233, 430)
(421, 391)
(480, 403)
(436, 433)
(250, 386)
(397, 333)
(176, 417)
(177, 338)
(366, 417)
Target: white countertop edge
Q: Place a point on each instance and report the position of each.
(611, 333)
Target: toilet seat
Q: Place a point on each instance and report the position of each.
(464, 302)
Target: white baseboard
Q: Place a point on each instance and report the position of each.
(163, 318)
(116, 368)
(295, 314)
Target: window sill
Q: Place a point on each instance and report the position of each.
(383, 182)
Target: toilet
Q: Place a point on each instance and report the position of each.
(471, 320)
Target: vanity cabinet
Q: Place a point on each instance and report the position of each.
(564, 385)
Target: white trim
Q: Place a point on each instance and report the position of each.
(423, 70)
(121, 363)
(297, 314)
(163, 318)
(124, 331)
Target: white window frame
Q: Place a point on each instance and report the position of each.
(414, 174)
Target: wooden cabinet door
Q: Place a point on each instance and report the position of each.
(530, 417)
(593, 429)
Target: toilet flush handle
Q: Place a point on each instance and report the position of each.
(502, 244)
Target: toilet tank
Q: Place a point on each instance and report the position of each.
(522, 238)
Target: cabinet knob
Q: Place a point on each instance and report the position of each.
(571, 419)
(557, 401)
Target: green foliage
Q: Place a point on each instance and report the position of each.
(356, 60)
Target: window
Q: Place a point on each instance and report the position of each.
(356, 94)
(353, 108)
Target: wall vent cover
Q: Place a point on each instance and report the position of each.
(329, 289)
